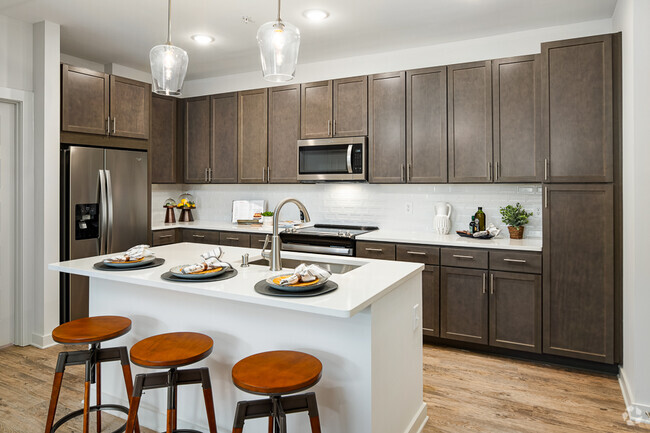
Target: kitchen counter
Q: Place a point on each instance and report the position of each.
(222, 226)
(367, 334)
(452, 240)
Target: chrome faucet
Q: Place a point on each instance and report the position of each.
(273, 256)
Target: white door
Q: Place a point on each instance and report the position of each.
(7, 224)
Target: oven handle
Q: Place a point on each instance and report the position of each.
(339, 251)
(350, 158)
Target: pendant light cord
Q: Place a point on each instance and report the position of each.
(279, 19)
(169, 22)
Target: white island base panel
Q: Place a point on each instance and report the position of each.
(372, 361)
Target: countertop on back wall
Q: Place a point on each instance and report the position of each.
(222, 226)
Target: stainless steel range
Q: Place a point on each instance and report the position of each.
(333, 239)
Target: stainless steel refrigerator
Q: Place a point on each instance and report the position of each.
(104, 195)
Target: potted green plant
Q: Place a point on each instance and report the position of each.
(515, 217)
(267, 218)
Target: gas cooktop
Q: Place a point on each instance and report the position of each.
(332, 230)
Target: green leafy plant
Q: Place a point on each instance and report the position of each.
(514, 216)
(267, 213)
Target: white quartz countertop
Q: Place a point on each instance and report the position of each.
(357, 290)
(218, 226)
(451, 240)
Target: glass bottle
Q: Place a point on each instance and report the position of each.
(480, 215)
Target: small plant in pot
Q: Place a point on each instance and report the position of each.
(515, 217)
(267, 218)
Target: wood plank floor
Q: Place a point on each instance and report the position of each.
(465, 392)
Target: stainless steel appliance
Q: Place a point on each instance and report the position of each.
(333, 239)
(333, 159)
(104, 196)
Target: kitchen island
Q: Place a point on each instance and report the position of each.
(367, 334)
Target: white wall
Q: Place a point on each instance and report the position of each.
(632, 17)
(15, 54)
(493, 47)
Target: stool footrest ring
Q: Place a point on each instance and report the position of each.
(96, 408)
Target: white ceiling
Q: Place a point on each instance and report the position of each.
(123, 31)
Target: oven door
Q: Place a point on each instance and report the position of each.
(332, 159)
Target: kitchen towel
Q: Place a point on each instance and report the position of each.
(133, 253)
(305, 274)
(211, 260)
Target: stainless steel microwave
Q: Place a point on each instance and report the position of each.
(333, 159)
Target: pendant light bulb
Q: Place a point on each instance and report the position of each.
(279, 43)
(168, 64)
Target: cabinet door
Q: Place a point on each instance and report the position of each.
(316, 110)
(464, 304)
(431, 301)
(257, 241)
(201, 236)
(253, 132)
(350, 107)
(223, 149)
(284, 133)
(387, 127)
(426, 123)
(577, 109)
(130, 108)
(516, 311)
(579, 272)
(470, 122)
(84, 100)
(164, 237)
(235, 239)
(163, 140)
(518, 149)
(197, 139)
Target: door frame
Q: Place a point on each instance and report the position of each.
(24, 248)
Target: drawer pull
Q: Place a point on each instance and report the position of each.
(198, 236)
(515, 260)
(460, 256)
(232, 239)
(165, 236)
(417, 253)
(261, 241)
(484, 284)
(377, 250)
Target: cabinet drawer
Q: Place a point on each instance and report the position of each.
(164, 237)
(516, 261)
(418, 253)
(257, 241)
(464, 258)
(235, 239)
(201, 236)
(376, 250)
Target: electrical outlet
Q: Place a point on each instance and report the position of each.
(416, 317)
(409, 207)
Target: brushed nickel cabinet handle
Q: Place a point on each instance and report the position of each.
(164, 236)
(491, 284)
(489, 171)
(205, 175)
(417, 253)
(378, 250)
(484, 284)
(268, 174)
(261, 241)
(408, 172)
(263, 174)
(334, 128)
(401, 172)
(515, 260)
(545, 168)
(232, 239)
(460, 256)
(546, 197)
(108, 125)
(329, 128)
(198, 236)
(114, 128)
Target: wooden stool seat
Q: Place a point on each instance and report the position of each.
(171, 350)
(277, 372)
(91, 330)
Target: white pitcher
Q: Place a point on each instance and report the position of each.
(441, 222)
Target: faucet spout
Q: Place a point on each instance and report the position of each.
(275, 261)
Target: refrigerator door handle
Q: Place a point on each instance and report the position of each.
(109, 205)
(103, 212)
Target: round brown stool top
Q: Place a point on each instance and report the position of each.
(277, 372)
(171, 350)
(91, 330)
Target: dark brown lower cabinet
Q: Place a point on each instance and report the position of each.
(235, 239)
(201, 236)
(165, 237)
(431, 301)
(516, 311)
(257, 241)
(464, 304)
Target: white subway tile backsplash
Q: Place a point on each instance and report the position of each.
(381, 205)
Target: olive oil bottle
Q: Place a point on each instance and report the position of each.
(480, 216)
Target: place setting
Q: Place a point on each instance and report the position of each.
(210, 268)
(135, 258)
(306, 280)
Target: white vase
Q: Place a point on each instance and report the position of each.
(442, 222)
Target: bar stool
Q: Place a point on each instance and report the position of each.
(171, 351)
(92, 331)
(275, 374)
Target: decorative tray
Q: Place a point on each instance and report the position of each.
(465, 234)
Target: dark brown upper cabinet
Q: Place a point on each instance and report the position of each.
(577, 112)
(426, 125)
(223, 148)
(164, 158)
(516, 102)
(464, 304)
(196, 131)
(469, 105)
(284, 133)
(84, 101)
(578, 294)
(130, 108)
(253, 136)
(334, 108)
(387, 127)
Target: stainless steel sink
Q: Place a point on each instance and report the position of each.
(335, 268)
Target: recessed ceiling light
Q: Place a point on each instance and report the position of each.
(202, 39)
(315, 14)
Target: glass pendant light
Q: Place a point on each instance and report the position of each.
(168, 63)
(279, 42)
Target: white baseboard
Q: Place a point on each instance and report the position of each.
(637, 413)
(419, 420)
(42, 341)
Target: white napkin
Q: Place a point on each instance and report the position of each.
(134, 253)
(306, 273)
(211, 260)
(491, 229)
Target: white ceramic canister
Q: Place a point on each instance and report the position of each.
(441, 220)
